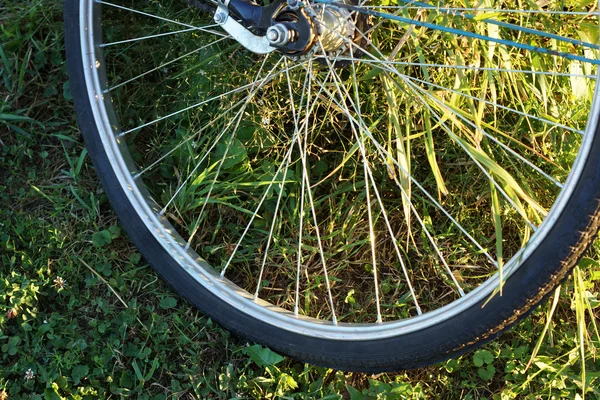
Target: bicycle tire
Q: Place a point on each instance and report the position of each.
(544, 268)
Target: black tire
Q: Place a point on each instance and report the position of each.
(543, 270)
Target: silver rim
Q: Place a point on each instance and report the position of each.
(221, 287)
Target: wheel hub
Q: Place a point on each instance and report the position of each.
(291, 28)
(335, 27)
(331, 26)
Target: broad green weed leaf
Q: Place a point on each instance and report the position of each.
(587, 262)
(236, 153)
(52, 393)
(355, 394)
(78, 372)
(101, 238)
(13, 345)
(482, 357)
(486, 373)
(168, 302)
(263, 356)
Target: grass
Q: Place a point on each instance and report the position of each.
(83, 315)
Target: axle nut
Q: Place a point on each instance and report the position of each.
(278, 35)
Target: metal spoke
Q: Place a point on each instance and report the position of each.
(189, 138)
(213, 121)
(491, 137)
(154, 36)
(199, 163)
(262, 267)
(238, 119)
(270, 237)
(405, 195)
(416, 214)
(162, 66)
(374, 62)
(372, 242)
(299, 258)
(507, 148)
(255, 213)
(304, 187)
(294, 140)
(460, 32)
(483, 10)
(217, 97)
(337, 83)
(302, 148)
(483, 170)
(384, 154)
(302, 192)
(161, 18)
(367, 174)
(507, 25)
(524, 114)
(260, 203)
(387, 221)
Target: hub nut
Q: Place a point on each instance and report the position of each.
(279, 34)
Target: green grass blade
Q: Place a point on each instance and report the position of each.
(395, 134)
(430, 151)
(496, 213)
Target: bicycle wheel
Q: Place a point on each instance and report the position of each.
(366, 186)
